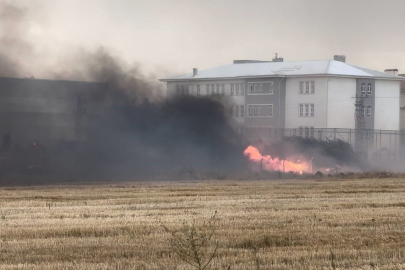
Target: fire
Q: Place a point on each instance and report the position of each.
(275, 164)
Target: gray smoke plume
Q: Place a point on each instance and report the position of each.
(14, 47)
(140, 132)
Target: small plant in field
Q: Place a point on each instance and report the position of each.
(194, 244)
(256, 258)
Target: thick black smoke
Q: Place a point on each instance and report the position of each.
(185, 133)
(140, 132)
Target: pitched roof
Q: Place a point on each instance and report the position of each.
(301, 68)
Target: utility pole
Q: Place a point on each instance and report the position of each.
(360, 123)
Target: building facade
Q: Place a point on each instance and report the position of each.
(47, 111)
(266, 98)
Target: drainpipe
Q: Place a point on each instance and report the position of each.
(327, 101)
(279, 103)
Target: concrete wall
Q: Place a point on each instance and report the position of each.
(402, 111)
(387, 105)
(368, 99)
(340, 105)
(277, 99)
(333, 101)
(294, 98)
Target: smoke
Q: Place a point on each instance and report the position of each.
(139, 132)
(102, 65)
(186, 133)
(14, 46)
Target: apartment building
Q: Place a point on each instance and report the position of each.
(304, 95)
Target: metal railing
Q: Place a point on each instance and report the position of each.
(376, 144)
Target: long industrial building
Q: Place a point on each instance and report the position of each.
(304, 98)
(48, 111)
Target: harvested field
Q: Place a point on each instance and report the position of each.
(289, 224)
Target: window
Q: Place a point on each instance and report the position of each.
(369, 89)
(198, 89)
(271, 88)
(301, 109)
(270, 109)
(363, 112)
(237, 111)
(223, 89)
(307, 87)
(306, 110)
(178, 90)
(242, 110)
(237, 90)
(232, 90)
(368, 134)
(212, 89)
(208, 90)
(242, 89)
(363, 88)
(217, 92)
(368, 110)
(262, 88)
(260, 110)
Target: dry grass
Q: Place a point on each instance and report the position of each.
(289, 224)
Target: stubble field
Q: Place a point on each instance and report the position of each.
(289, 224)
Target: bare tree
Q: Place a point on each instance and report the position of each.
(194, 243)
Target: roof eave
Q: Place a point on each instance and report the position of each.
(283, 75)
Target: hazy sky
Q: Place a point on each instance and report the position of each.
(171, 37)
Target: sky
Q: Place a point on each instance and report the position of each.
(171, 37)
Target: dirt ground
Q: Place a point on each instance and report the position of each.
(288, 224)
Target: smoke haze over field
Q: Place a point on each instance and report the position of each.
(178, 35)
(141, 132)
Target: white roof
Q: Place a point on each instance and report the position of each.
(269, 69)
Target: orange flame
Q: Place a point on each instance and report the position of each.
(275, 164)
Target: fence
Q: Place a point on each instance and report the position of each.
(370, 144)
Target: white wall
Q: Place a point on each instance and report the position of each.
(340, 106)
(387, 103)
(294, 98)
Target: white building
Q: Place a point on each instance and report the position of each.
(303, 96)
